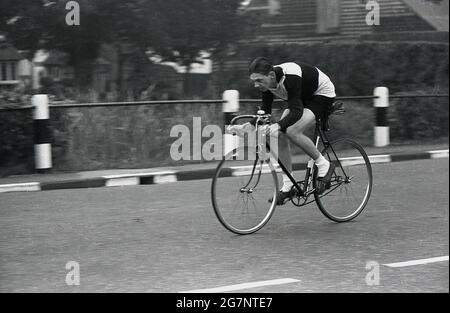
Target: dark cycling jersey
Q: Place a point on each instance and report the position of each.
(296, 83)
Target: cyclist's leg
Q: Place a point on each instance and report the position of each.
(296, 134)
(284, 147)
(284, 155)
(315, 107)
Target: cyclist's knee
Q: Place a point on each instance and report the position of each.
(283, 137)
(283, 140)
(294, 130)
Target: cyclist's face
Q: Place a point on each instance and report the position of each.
(263, 82)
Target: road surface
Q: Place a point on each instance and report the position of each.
(166, 238)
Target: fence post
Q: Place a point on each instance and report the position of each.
(230, 109)
(381, 104)
(42, 136)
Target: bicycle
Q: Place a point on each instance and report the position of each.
(241, 187)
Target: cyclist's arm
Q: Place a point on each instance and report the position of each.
(293, 86)
(267, 100)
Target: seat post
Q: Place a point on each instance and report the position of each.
(318, 122)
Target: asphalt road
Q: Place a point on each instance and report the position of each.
(166, 238)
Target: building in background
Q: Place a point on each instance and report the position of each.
(318, 20)
(15, 69)
(307, 22)
(51, 67)
(139, 77)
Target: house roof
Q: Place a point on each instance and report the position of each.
(9, 53)
(56, 58)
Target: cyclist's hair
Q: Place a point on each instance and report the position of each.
(260, 65)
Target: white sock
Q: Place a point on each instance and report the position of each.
(323, 165)
(287, 184)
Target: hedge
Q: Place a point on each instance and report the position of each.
(355, 68)
(134, 137)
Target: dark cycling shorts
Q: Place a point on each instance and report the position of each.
(319, 105)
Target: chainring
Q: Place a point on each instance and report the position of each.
(299, 199)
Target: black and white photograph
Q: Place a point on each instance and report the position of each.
(228, 153)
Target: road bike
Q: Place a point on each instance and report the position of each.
(245, 183)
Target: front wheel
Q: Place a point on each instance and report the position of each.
(243, 192)
(351, 182)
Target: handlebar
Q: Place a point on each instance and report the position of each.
(265, 118)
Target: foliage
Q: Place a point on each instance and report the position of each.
(176, 30)
(139, 136)
(356, 68)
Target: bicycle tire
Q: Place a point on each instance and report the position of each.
(231, 177)
(353, 160)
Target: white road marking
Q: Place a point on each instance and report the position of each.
(382, 158)
(245, 285)
(20, 187)
(122, 181)
(164, 179)
(247, 169)
(418, 262)
(140, 174)
(438, 154)
(350, 161)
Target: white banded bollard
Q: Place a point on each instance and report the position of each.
(230, 109)
(381, 104)
(42, 135)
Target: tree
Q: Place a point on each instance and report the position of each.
(177, 30)
(194, 26)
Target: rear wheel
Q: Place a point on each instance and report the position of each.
(351, 182)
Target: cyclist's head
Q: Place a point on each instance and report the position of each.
(262, 73)
(260, 65)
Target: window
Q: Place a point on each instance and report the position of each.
(328, 16)
(4, 73)
(8, 71)
(13, 71)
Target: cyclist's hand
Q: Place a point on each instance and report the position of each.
(273, 130)
(241, 130)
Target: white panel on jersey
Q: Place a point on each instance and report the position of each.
(291, 68)
(326, 87)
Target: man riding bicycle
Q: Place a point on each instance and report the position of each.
(310, 95)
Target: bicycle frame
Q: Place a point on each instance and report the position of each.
(319, 136)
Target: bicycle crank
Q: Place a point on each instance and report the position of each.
(298, 198)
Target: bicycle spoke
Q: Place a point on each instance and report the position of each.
(248, 211)
(351, 183)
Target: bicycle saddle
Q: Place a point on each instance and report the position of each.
(337, 108)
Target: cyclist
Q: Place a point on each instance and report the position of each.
(309, 94)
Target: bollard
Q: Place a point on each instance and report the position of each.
(231, 105)
(381, 104)
(230, 110)
(42, 137)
